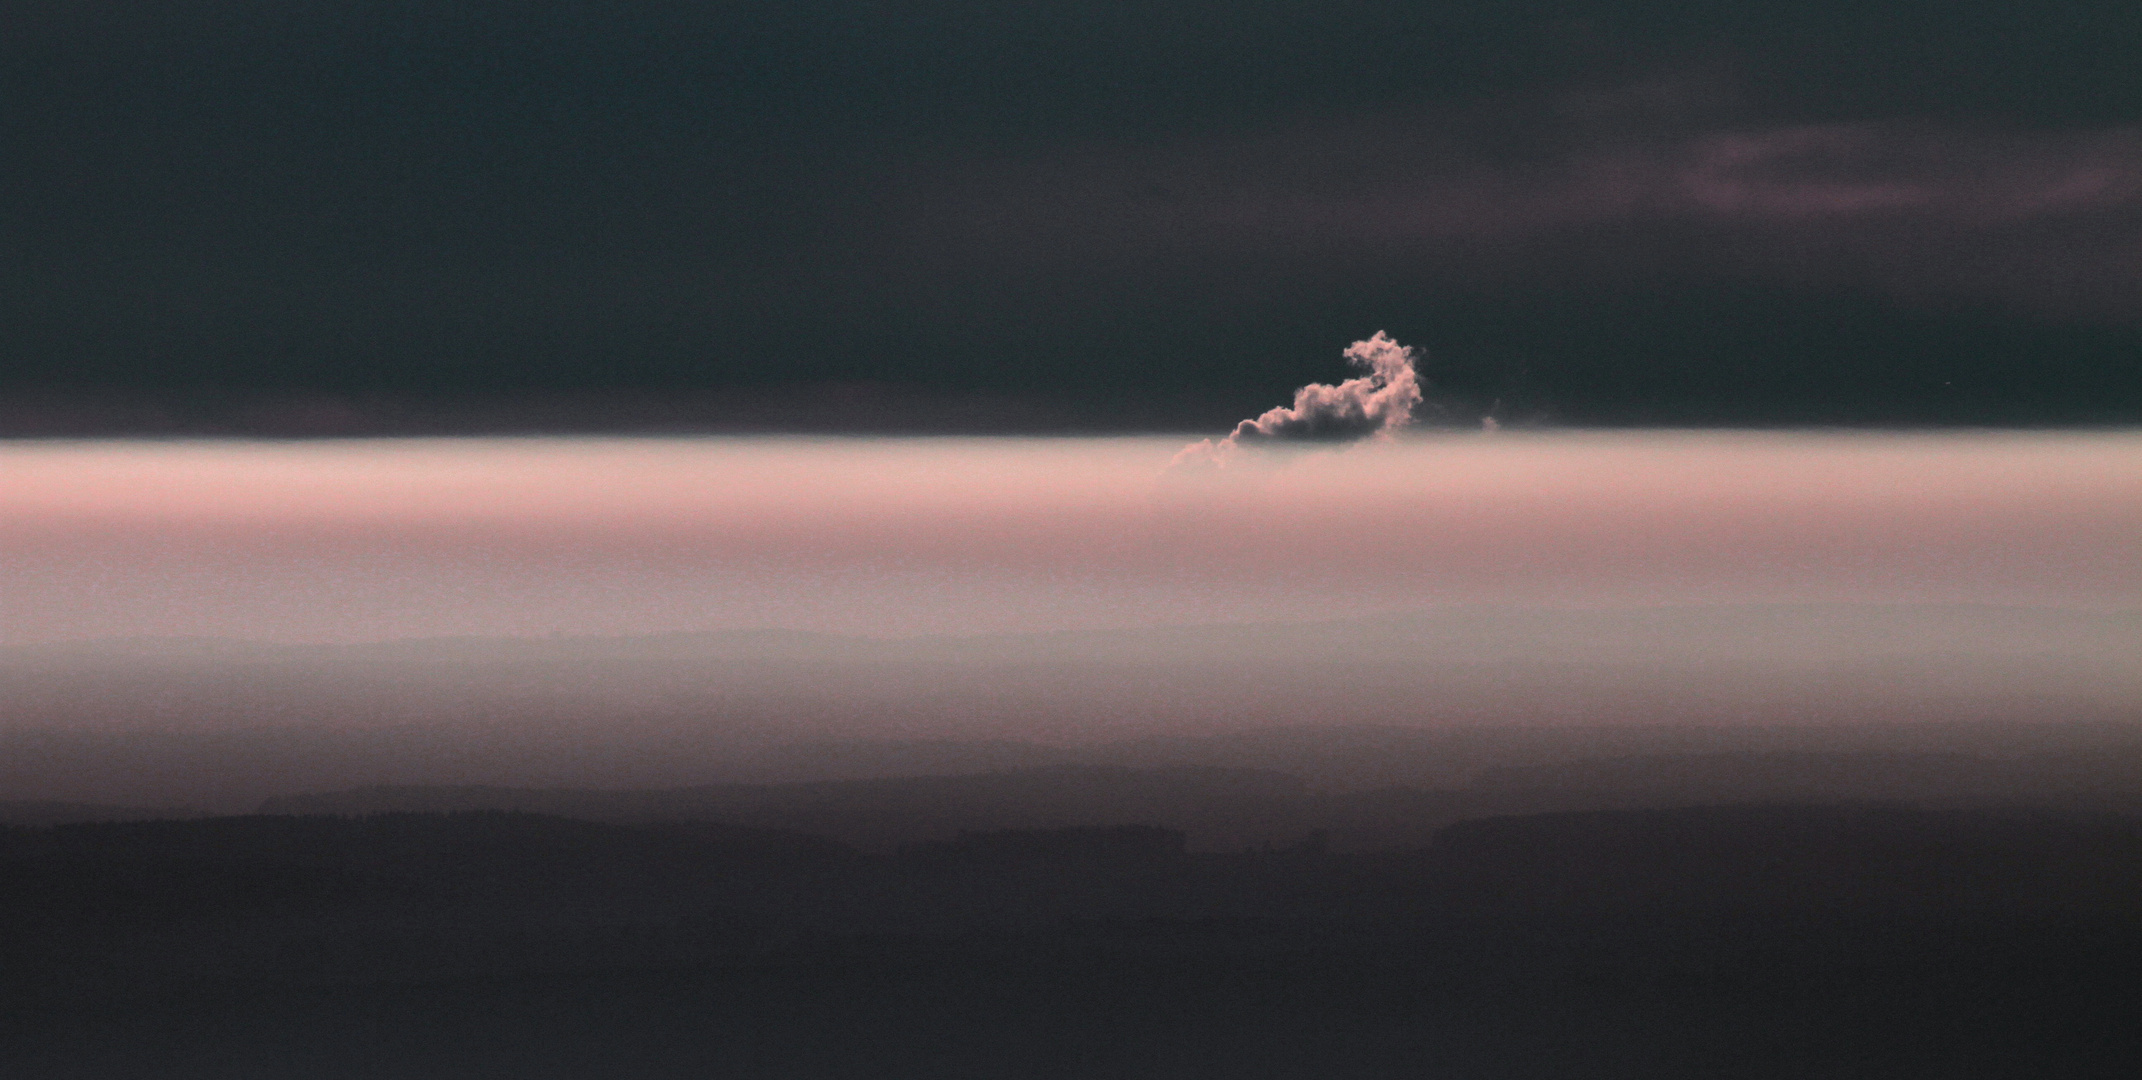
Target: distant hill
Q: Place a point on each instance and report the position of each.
(1221, 808)
(18, 812)
(2109, 773)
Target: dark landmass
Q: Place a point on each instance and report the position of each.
(1756, 939)
(633, 859)
(1225, 809)
(42, 812)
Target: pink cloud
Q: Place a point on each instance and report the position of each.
(2049, 221)
(1376, 404)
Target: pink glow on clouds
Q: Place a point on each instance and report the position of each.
(2046, 221)
(367, 540)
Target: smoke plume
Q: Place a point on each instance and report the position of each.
(1374, 404)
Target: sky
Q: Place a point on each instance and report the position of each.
(237, 217)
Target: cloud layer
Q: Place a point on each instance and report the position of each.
(2048, 222)
(394, 538)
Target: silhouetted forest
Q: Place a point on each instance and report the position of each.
(1101, 921)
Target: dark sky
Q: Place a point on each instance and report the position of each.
(282, 216)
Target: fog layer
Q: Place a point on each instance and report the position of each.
(379, 540)
(213, 623)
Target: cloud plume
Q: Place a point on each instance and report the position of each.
(1374, 404)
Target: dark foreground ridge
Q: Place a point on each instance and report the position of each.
(1745, 940)
(1230, 808)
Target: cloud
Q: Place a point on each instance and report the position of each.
(1371, 405)
(2048, 222)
